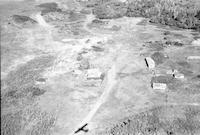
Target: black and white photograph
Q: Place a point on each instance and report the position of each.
(100, 67)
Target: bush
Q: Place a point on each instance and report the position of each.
(110, 10)
(49, 7)
(158, 57)
(23, 19)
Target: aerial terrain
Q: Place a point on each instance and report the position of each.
(100, 67)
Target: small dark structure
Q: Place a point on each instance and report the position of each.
(82, 129)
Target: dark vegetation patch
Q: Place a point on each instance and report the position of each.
(186, 72)
(24, 96)
(98, 21)
(178, 13)
(49, 7)
(123, 75)
(184, 64)
(21, 94)
(183, 14)
(110, 10)
(94, 3)
(191, 87)
(198, 15)
(176, 85)
(97, 49)
(84, 64)
(22, 20)
(20, 82)
(158, 57)
(44, 124)
(160, 45)
(196, 37)
(41, 80)
(56, 17)
(162, 79)
(174, 43)
(155, 46)
(30, 121)
(156, 121)
(79, 57)
(137, 8)
(186, 67)
(167, 33)
(26, 74)
(11, 93)
(179, 36)
(9, 8)
(115, 28)
(74, 16)
(198, 76)
(11, 124)
(66, 20)
(35, 91)
(85, 11)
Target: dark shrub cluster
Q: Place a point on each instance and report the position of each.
(183, 14)
(110, 10)
(49, 7)
(23, 19)
(179, 13)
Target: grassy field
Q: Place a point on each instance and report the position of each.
(152, 122)
(20, 113)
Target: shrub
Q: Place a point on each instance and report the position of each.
(23, 19)
(110, 10)
(49, 7)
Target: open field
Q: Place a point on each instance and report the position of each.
(100, 67)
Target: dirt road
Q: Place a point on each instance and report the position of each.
(110, 77)
(111, 82)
